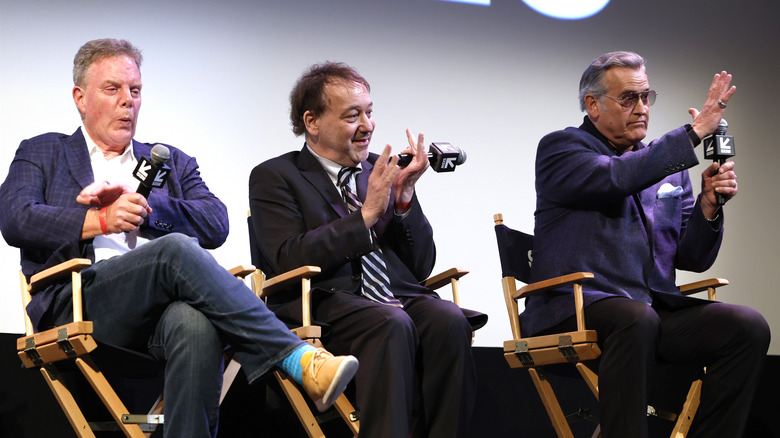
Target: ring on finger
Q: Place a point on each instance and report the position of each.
(721, 104)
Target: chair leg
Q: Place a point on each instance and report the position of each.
(300, 406)
(591, 378)
(107, 395)
(157, 407)
(348, 414)
(67, 402)
(156, 410)
(228, 376)
(685, 419)
(551, 405)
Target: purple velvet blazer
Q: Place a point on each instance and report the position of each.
(630, 219)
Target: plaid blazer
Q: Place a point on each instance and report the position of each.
(40, 214)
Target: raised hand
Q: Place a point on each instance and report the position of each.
(718, 97)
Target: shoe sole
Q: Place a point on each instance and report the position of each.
(343, 375)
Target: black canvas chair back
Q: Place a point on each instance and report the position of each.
(515, 252)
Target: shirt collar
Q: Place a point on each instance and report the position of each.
(332, 168)
(93, 148)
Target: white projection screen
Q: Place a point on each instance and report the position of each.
(491, 78)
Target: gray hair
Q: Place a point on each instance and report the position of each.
(592, 81)
(96, 50)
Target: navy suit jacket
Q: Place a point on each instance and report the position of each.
(300, 218)
(40, 214)
(605, 213)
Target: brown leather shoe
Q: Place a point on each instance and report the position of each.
(325, 376)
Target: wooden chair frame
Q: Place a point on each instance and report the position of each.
(74, 341)
(577, 347)
(312, 333)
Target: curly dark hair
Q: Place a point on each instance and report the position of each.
(309, 92)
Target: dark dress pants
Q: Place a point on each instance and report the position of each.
(731, 341)
(413, 359)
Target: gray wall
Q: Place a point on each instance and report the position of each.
(490, 79)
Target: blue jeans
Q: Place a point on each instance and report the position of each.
(169, 298)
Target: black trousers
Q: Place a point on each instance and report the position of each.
(415, 360)
(731, 341)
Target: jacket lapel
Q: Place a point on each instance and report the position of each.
(141, 150)
(77, 157)
(361, 182)
(313, 172)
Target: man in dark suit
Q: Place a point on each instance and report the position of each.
(609, 204)
(405, 339)
(153, 287)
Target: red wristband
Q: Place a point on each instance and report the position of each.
(103, 225)
(403, 207)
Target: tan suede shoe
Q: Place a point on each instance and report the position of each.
(326, 376)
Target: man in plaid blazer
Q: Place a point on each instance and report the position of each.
(153, 287)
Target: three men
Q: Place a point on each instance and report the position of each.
(599, 187)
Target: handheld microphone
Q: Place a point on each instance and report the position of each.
(442, 156)
(152, 171)
(718, 147)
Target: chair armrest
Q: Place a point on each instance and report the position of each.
(710, 285)
(451, 277)
(692, 288)
(288, 278)
(300, 275)
(444, 278)
(574, 279)
(241, 271)
(545, 285)
(56, 273)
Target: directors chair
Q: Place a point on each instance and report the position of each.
(534, 353)
(312, 333)
(74, 342)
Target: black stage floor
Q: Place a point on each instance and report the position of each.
(506, 403)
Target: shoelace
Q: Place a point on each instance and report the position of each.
(315, 362)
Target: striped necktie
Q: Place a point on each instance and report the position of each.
(376, 284)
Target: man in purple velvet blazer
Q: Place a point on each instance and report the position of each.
(625, 210)
(152, 288)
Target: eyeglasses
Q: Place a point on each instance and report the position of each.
(629, 100)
